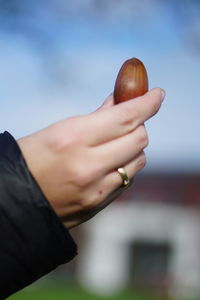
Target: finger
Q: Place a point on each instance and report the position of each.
(111, 185)
(114, 180)
(118, 152)
(118, 120)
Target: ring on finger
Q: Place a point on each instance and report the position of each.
(124, 176)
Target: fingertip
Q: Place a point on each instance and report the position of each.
(110, 96)
(108, 102)
(158, 91)
(163, 94)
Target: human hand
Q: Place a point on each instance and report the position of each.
(75, 161)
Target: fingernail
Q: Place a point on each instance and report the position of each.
(162, 94)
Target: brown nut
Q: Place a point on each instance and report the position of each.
(131, 82)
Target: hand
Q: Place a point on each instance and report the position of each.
(75, 160)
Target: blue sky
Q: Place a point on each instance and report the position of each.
(52, 68)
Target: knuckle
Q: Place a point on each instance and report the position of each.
(128, 118)
(75, 133)
(143, 137)
(84, 173)
(81, 175)
(141, 163)
(90, 202)
(66, 134)
(156, 105)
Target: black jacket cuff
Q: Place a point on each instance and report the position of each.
(33, 240)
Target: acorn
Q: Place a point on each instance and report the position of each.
(131, 82)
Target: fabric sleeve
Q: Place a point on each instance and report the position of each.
(33, 240)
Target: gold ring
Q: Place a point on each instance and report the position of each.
(124, 176)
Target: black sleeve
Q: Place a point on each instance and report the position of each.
(33, 241)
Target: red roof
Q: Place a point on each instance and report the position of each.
(183, 189)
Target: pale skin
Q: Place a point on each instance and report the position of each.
(75, 161)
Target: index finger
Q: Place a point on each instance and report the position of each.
(121, 119)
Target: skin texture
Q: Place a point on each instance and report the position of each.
(74, 161)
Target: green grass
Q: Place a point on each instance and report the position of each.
(60, 291)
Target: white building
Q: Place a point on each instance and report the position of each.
(149, 238)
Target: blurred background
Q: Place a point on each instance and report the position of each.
(60, 58)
